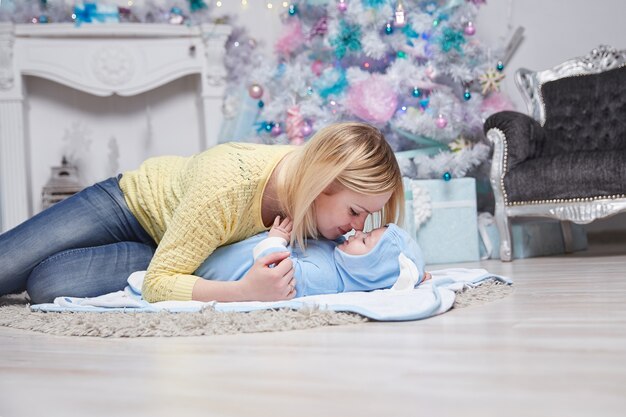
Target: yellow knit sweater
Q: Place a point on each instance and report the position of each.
(190, 206)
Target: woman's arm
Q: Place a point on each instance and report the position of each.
(261, 283)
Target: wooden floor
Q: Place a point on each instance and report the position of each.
(556, 347)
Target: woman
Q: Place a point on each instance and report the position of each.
(170, 214)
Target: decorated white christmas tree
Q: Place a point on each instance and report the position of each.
(415, 69)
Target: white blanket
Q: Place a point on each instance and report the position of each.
(430, 298)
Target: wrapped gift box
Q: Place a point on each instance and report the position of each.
(531, 237)
(442, 216)
(94, 12)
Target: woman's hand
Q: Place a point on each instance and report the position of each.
(281, 229)
(263, 283)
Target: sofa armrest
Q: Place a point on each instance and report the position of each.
(523, 135)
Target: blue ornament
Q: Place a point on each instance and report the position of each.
(416, 92)
(261, 126)
(195, 5)
(446, 176)
(424, 102)
(429, 7)
(260, 104)
(269, 126)
(43, 19)
(467, 95)
(292, 9)
(500, 66)
(309, 91)
(388, 28)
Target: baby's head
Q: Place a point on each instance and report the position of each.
(361, 243)
(382, 255)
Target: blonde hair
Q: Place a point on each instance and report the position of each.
(353, 155)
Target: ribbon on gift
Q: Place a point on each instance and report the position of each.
(421, 204)
(91, 12)
(485, 220)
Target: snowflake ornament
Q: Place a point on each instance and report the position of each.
(490, 81)
(459, 144)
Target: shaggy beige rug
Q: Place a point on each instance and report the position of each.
(15, 313)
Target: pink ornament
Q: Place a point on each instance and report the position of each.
(470, 29)
(441, 122)
(294, 123)
(342, 6)
(307, 129)
(317, 67)
(430, 72)
(372, 99)
(291, 39)
(276, 130)
(255, 91)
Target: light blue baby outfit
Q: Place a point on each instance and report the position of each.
(323, 268)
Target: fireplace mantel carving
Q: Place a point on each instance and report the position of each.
(102, 60)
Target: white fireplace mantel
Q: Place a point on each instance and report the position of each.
(101, 60)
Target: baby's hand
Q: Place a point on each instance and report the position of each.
(281, 229)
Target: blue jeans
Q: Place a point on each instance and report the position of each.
(83, 246)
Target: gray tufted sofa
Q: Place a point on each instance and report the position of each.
(567, 160)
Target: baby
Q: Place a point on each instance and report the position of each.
(386, 257)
